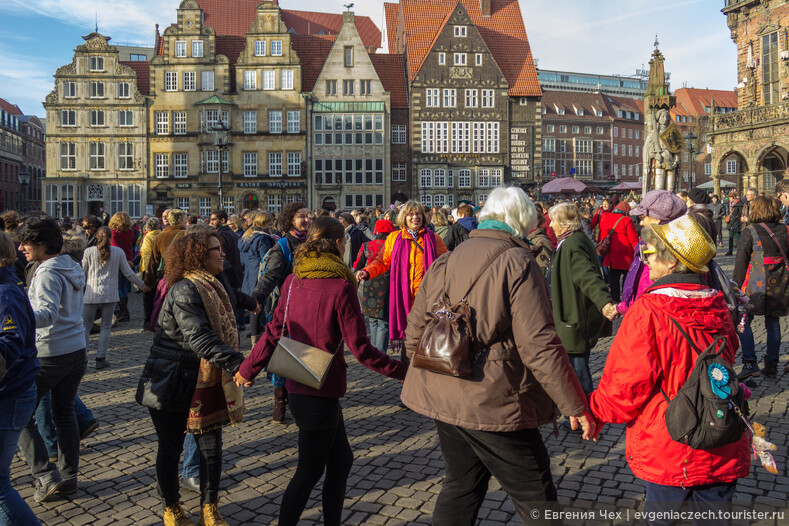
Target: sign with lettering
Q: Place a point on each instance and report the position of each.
(520, 148)
(270, 184)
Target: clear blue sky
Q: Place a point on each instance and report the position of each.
(588, 36)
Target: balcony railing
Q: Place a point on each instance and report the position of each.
(751, 117)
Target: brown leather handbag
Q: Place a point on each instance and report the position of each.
(447, 340)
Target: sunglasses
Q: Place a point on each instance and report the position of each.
(644, 253)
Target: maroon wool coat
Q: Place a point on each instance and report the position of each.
(322, 313)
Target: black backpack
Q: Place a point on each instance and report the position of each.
(697, 416)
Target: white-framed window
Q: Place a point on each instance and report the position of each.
(616, 149)
(250, 164)
(548, 166)
(250, 80)
(331, 87)
(549, 128)
(439, 200)
(96, 90)
(68, 117)
(269, 77)
(211, 118)
(294, 121)
(450, 97)
(576, 129)
(477, 137)
(180, 48)
(431, 97)
(123, 90)
(260, 48)
(182, 203)
(451, 179)
(460, 59)
(471, 98)
(637, 134)
(170, 81)
(96, 150)
(125, 118)
(496, 177)
(549, 145)
(483, 178)
(347, 87)
(190, 81)
(638, 151)
(588, 130)
(116, 199)
(275, 164)
(616, 131)
(211, 161)
(442, 59)
(599, 130)
(477, 61)
(583, 146)
(464, 178)
(439, 178)
(442, 137)
(425, 178)
(162, 122)
(428, 136)
(460, 31)
(70, 90)
(125, 155)
(398, 134)
(179, 122)
(488, 98)
(630, 150)
(197, 48)
(562, 129)
(68, 156)
(398, 172)
(225, 161)
(275, 122)
(630, 133)
(204, 206)
(599, 147)
(426, 200)
(180, 165)
(731, 167)
(294, 164)
(250, 122)
(276, 48)
(707, 169)
(275, 203)
(135, 200)
(493, 137)
(95, 63)
(286, 79)
(161, 161)
(461, 137)
(616, 170)
(207, 81)
(365, 87)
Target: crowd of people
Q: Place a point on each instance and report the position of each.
(543, 282)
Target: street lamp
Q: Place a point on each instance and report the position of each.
(220, 132)
(690, 139)
(24, 180)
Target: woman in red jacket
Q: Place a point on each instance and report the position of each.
(322, 310)
(123, 236)
(649, 352)
(623, 243)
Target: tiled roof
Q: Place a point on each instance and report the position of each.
(312, 51)
(692, 101)
(13, 109)
(235, 17)
(390, 14)
(570, 100)
(391, 71)
(503, 32)
(143, 72)
(231, 46)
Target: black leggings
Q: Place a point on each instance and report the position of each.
(170, 428)
(320, 450)
(615, 283)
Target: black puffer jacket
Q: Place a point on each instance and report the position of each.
(182, 337)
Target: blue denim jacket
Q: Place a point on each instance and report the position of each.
(17, 335)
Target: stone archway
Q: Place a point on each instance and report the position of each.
(772, 163)
(329, 204)
(733, 167)
(251, 201)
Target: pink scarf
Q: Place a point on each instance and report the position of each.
(400, 289)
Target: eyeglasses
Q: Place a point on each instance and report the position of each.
(644, 253)
(215, 248)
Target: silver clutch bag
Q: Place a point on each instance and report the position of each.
(300, 362)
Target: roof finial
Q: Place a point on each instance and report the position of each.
(96, 28)
(656, 41)
(348, 7)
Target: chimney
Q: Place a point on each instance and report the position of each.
(484, 7)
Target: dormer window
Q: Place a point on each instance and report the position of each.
(460, 31)
(579, 112)
(96, 64)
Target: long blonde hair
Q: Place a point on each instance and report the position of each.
(261, 220)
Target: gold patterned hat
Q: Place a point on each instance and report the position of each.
(689, 243)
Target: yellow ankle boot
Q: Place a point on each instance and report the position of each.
(175, 516)
(209, 516)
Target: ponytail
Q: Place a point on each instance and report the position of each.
(103, 238)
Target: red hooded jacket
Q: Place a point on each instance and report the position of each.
(649, 351)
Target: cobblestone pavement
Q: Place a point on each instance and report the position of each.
(397, 471)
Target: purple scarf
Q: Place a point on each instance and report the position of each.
(400, 288)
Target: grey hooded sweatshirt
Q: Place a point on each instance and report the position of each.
(56, 293)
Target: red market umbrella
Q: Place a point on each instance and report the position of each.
(563, 185)
(627, 186)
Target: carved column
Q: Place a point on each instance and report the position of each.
(716, 181)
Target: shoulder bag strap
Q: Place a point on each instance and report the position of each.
(287, 307)
(780, 248)
(611, 232)
(485, 267)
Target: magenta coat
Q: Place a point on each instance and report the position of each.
(323, 313)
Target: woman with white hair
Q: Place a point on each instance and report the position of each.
(488, 422)
(582, 304)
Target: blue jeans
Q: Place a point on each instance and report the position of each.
(379, 333)
(124, 286)
(15, 413)
(88, 310)
(580, 363)
(191, 466)
(47, 428)
(713, 497)
(773, 326)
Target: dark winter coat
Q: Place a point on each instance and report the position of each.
(253, 249)
(232, 266)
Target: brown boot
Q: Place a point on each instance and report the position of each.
(123, 310)
(209, 516)
(255, 338)
(280, 405)
(175, 516)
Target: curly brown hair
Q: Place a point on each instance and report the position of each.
(186, 254)
(285, 218)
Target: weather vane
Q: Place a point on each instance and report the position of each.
(656, 40)
(348, 6)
